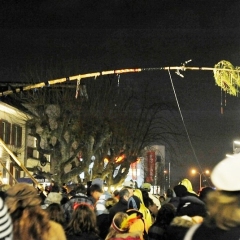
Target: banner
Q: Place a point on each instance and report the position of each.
(151, 159)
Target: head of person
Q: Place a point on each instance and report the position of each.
(204, 192)
(29, 220)
(130, 186)
(118, 225)
(152, 207)
(169, 193)
(83, 220)
(180, 190)
(115, 194)
(56, 213)
(96, 191)
(81, 189)
(124, 194)
(146, 187)
(22, 196)
(161, 198)
(110, 202)
(186, 182)
(165, 214)
(223, 204)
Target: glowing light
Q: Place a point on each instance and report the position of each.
(105, 160)
(120, 158)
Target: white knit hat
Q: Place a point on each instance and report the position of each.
(226, 174)
(6, 227)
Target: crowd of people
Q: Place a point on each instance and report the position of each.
(77, 213)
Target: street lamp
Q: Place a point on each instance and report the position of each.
(200, 176)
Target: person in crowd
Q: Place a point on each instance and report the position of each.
(102, 213)
(191, 206)
(100, 198)
(120, 227)
(162, 199)
(164, 217)
(146, 187)
(110, 202)
(190, 211)
(64, 188)
(103, 221)
(56, 214)
(138, 222)
(6, 227)
(169, 196)
(204, 192)
(83, 225)
(130, 186)
(30, 221)
(76, 196)
(186, 182)
(144, 210)
(121, 205)
(152, 207)
(54, 187)
(223, 204)
(52, 197)
(115, 195)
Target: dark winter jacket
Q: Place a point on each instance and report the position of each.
(120, 206)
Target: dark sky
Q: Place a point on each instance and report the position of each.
(112, 34)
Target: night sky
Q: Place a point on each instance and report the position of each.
(92, 36)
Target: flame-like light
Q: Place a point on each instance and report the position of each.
(120, 158)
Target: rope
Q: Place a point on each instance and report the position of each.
(185, 127)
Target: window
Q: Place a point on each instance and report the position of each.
(5, 128)
(16, 135)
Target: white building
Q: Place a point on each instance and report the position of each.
(14, 134)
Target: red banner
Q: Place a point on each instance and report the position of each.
(151, 159)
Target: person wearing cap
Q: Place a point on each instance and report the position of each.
(30, 221)
(223, 204)
(130, 186)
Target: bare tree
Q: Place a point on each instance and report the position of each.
(101, 130)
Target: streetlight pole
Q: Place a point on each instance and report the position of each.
(200, 177)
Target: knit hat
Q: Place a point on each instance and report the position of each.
(22, 195)
(134, 202)
(53, 197)
(225, 175)
(6, 227)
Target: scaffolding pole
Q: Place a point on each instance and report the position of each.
(20, 164)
